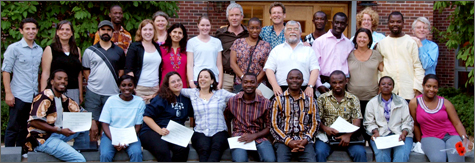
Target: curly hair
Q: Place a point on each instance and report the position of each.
(373, 14)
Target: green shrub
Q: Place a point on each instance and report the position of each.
(4, 117)
(463, 104)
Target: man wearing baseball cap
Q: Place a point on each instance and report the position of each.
(103, 64)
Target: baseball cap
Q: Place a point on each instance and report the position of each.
(105, 23)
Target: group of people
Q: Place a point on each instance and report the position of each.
(212, 82)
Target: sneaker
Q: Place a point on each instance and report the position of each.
(24, 155)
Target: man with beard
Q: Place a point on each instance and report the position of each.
(103, 64)
(320, 21)
(401, 59)
(332, 50)
(290, 55)
(294, 121)
(23, 59)
(250, 118)
(120, 36)
(46, 120)
(331, 105)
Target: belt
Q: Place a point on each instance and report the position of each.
(230, 72)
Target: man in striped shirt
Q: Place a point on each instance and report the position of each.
(249, 115)
(294, 121)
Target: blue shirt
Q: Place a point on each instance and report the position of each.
(24, 62)
(428, 54)
(123, 114)
(162, 111)
(268, 34)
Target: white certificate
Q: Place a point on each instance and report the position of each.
(77, 121)
(388, 142)
(123, 136)
(178, 134)
(234, 143)
(266, 92)
(343, 126)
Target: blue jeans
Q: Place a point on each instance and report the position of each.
(400, 153)
(56, 146)
(264, 149)
(283, 153)
(108, 151)
(356, 151)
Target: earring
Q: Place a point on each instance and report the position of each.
(211, 85)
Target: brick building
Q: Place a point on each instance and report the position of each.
(451, 71)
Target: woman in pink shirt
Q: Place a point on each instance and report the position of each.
(436, 123)
(174, 52)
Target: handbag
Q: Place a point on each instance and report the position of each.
(238, 87)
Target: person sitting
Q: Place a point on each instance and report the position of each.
(122, 111)
(388, 114)
(169, 105)
(46, 120)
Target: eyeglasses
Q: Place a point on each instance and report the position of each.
(422, 27)
(366, 20)
(292, 29)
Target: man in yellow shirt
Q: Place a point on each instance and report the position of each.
(401, 59)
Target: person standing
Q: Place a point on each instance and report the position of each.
(227, 36)
(401, 59)
(428, 50)
(64, 54)
(250, 117)
(174, 52)
(144, 60)
(369, 19)
(103, 64)
(120, 36)
(274, 34)
(23, 59)
(320, 21)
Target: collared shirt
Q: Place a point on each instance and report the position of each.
(401, 62)
(332, 54)
(294, 119)
(268, 34)
(283, 58)
(121, 38)
(227, 39)
(259, 56)
(248, 116)
(44, 109)
(330, 109)
(309, 38)
(24, 62)
(428, 54)
(376, 38)
(209, 116)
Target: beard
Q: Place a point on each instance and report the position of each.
(105, 37)
(293, 40)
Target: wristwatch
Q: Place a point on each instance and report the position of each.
(464, 136)
(242, 76)
(311, 86)
(58, 129)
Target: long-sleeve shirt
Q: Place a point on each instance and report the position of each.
(332, 54)
(248, 116)
(401, 62)
(209, 116)
(24, 62)
(294, 119)
(428, 54)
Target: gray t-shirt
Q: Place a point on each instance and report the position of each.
(101, 80)
(363, 82)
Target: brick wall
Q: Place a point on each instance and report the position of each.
(190, 11)
(446, 63)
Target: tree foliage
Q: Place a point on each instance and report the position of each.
(459, 33)
(84, 15)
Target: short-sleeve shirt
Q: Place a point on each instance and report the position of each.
(24, 62)
(208, 114)
(44, 109)
(248, 117)
(205, 55)
(330, 109)
(268, 34)
(101, 80)
(121, 38)
(162, 111)
(172, 61)
(123, 114)
(259, 56)
(363, 80)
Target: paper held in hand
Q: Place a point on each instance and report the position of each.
(388, 142)
(343, 126)
(234, 143)
(266, 92)
(77, 121)
(123, 136)
(178, 134)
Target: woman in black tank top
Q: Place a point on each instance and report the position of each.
(64, 54)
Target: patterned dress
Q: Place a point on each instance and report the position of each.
(174, 62)
(259, 56)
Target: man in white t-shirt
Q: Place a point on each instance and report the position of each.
(292, 54)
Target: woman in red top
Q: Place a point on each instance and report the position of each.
(174, 52)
